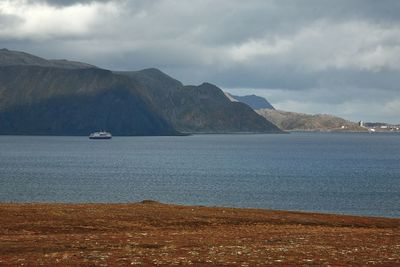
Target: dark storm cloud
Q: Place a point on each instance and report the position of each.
(280, 48)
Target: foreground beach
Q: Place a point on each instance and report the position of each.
(151, 233)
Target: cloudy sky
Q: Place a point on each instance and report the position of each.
(316, 56)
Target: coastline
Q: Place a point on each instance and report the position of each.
(151, 233)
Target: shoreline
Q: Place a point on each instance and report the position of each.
(147, 201)
(151, 233)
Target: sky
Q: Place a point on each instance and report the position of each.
(337, 57)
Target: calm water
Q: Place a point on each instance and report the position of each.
(340, 173)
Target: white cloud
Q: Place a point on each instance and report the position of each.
(354, 45)
(41, 21)
(393, 107)
(259, 48)
(135, 27)
(380, 57)
(325, 45)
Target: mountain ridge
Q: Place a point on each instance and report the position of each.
(188, 107)
(39, 96)
(12, 58)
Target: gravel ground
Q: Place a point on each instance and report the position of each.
(151, 233)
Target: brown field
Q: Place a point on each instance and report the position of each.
(151, 233)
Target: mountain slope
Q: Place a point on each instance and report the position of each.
(116, 110)
(292, 121)
(195, 104)
(57, 101)
(253, 101)
(198, 109)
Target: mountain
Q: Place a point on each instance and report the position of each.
(57, 101)
(253, 101)
(292, 121)
(197, 109)
(60, 97)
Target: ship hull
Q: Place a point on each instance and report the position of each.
(100, 137)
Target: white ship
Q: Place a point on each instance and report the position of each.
(100, 135)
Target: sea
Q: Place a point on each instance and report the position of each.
(342, 173)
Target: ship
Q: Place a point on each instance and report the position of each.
(100, 135)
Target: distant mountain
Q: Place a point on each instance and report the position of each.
(292, 121)
(59, 97)
(253, 101)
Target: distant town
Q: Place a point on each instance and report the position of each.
(379, 126)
